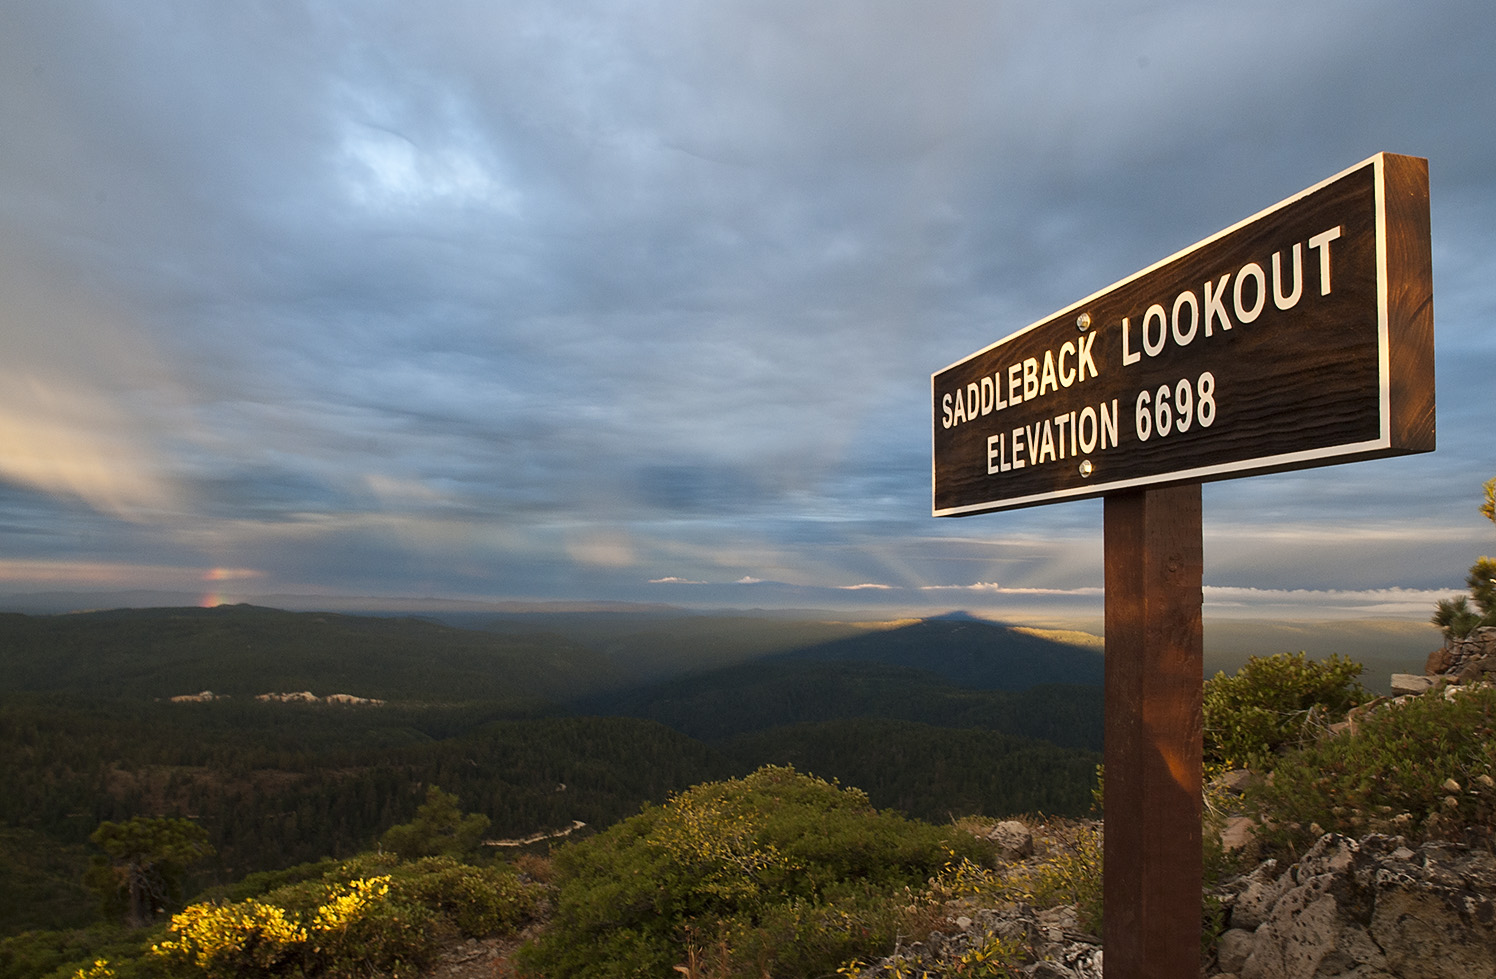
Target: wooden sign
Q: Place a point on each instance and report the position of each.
(1302, 336)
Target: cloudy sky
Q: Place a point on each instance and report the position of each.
(640, 302)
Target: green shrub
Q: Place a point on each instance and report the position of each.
(777, 873)
(439, 829)
(264, 881)
(371, 915)
(1273, 704)
(1424, 769)
(61, 953)
(478, 901)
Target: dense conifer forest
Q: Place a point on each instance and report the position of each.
(533, 729)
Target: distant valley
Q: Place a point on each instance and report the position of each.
(537, 719)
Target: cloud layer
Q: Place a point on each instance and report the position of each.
(599, 300)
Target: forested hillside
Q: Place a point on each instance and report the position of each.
(770, 693)
(532, 729)
(244, 650)
(929, 772)
(650, 645)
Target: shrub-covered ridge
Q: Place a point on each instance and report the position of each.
(778, 874)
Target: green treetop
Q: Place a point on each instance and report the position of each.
(143, 863)
(1455, 616)
(439, 830)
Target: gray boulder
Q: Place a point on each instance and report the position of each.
(1368, 909)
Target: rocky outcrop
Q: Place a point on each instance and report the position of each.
(1368, 909)
(1055, 946)
(1013, 839)
(348, 698)
(197, 698)
(1466, 660)
(307, 697)
(1372, 908)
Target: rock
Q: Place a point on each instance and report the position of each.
(1458, 655)
(1255, 901)
(1368, 908)
(1406, 683)
(1371, 908)
(1234, 781)
(1233, 949)
(1014, 840)
(1436, 916)
(1075, 961)
(1477, 668)
(1331, 854)
(1055, 949)
(1238, 832)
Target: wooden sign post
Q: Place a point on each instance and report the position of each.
(1151, 888)
(1302, 336)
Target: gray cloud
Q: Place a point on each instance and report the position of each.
(533, 301)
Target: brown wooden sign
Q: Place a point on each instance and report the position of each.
(1300, 337)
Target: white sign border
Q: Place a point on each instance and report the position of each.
(1285, 460)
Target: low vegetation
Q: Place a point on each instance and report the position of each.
(783, 874)
(1068, 872)
(374, 914)
(1274, 704)
(1423, 770)
(778, 873)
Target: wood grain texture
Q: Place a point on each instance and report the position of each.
(1293, 387)
(1410, 295)
(1154, 678)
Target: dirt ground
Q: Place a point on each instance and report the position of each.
(476, 958)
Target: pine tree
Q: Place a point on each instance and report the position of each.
(439, 829)
(1455, 616)
(143, 863)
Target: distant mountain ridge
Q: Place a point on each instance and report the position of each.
(245, 650)
(966, 652)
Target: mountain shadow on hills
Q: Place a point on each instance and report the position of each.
(756, 696)
(950, 672)
(964, 652)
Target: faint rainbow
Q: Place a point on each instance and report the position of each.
(216, 596)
